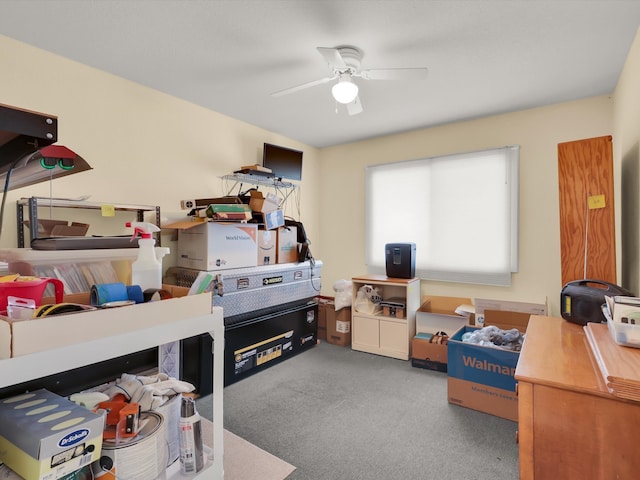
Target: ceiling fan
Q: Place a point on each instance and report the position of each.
(344, 62)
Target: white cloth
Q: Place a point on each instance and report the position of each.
(150, 392)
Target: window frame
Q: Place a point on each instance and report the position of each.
(410, 209)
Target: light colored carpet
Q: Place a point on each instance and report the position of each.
(245, 461)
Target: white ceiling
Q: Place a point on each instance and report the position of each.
(484, 56)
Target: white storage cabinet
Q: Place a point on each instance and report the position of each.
(386, 335)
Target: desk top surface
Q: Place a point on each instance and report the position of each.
(556, 353)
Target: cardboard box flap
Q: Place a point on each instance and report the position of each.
(185, 224)
(483, 304)
(59, 228)
(442, 304)
(264, 204)
(507, 320)
(438, 313)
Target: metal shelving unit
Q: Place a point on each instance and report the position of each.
(33, 203)
(283, 189)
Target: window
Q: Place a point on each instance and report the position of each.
(460, 210)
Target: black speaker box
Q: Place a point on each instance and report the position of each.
(581, 300)
(400, 259)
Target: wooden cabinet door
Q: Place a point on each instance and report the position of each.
(587, 228)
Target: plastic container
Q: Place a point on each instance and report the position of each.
(31, 289)
(78, 269)
(146, 270)
(625, 334)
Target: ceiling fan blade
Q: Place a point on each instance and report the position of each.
(286, 91)
(354, 107)
(332, 57)
(394, 74)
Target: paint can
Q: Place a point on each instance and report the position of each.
(143, 457)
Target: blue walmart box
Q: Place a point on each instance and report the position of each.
(482, 378)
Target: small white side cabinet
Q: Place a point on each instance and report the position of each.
(381, 334)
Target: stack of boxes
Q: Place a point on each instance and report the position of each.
(334, 326)
(483, 378)
(209, 245)
(478, 377)
(266, 209)
(436, 315)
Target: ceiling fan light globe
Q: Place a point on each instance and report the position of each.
(345, 91)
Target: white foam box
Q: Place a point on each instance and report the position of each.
(44, 333)
(44, 436)
(211, 246)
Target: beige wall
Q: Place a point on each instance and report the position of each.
(145, 147)
(150, 148)
(537, 131)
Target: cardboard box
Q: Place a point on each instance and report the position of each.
(45, 436)
(437, 314)
(432, 356)
(482, 378)
(393, 307)
(38, 334)
(78, 268)
(324, 303)
(266, 247)
(59, 228)
(507, 320)
(388, 311)
(287, 245)
(483, 304)
(339, 326)
(213, 246)
(261, 204)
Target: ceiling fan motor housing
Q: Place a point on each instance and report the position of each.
(352, 58)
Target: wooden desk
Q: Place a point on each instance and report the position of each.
(569, 425)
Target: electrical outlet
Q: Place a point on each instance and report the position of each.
(188, 204)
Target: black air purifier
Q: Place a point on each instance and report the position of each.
(400, 260)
